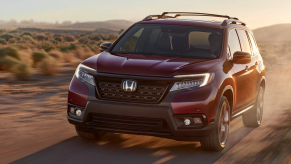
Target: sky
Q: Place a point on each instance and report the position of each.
(256, 13)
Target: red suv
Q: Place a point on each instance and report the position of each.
(173, 78)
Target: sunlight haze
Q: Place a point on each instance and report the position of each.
(252, 12)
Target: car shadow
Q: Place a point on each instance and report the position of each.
(126, 148)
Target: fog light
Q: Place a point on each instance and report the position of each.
(78, 112)
(197, 121)
(187, 121)
(72, 110)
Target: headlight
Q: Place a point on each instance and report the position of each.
(200, 80)
(84, 77)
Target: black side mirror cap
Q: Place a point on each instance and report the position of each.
(105, 46)
(240, 57)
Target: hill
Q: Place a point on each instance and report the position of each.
(110, 24)
(278, 32)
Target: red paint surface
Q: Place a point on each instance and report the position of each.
(200, 100)
(78, 93)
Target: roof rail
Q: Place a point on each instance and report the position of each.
(232, 21)
(229, 20)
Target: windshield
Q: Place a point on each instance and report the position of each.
(171, 40)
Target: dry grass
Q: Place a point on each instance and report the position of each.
(49, 66)
(7, 63)
(68, 57)
(22, 71)
(56, 54)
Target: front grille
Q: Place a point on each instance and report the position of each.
(127, 123)
(145, 93)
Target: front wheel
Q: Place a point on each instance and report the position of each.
(90, 136)
(253, 117)
(217, 139)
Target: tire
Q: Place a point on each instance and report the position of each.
(90, 136)
(253, 117)
(218, 138)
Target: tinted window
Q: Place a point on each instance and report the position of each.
(244, 41)
(171, 40)
(233, 43)
(254, 45)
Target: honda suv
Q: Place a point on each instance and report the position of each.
(174, 78)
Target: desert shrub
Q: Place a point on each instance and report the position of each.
(69, 38)
(74, 46)
(82, 40)
(7, 63)
(13, 31)
(27, 38)
(92, 42)
(79, 53)
(112, 37)
(38, 56)
(95, 37)
(65, 47)
(87, 55)
(2, 30)
(59, 39)
(56, 54)
(3, 41)
(81, 35)
(49, 48)
(49, 66)
(22, 71)
(25, 56)
(12, 40)
(6, 36)
(27, 33)
(57, 35)
(120, 31)
(68, 57)
(41, 37)
(75, 63)
(9, 51)
(95, 49)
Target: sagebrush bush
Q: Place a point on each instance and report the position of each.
(59, 39)
(27, 38)
(38, 56)
(12, 40)
(83, 40)
(69, 38)
(3, 41)
(41, 37)
(9, 51)
(56, 54)
(7, 63)
(87, 55)
(49, 66)
(68, 57)
(26, 57)
(95, 37)
(26, 33)
(22, 71)
(6, 36)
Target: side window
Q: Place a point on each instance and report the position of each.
(254, 44)
(233, 43)
(244, 41)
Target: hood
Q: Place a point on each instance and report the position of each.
(148, 65)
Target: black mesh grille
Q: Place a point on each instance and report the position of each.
(144, 93)
(127, 123)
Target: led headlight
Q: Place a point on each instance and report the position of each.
(200, 80)
(85, 77)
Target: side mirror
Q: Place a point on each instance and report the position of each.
(240, 57)
(105, 46)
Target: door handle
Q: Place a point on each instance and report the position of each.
(247, 68)
(256, 63)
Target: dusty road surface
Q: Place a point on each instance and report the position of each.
(34, 129)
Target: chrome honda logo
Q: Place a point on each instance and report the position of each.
(129, 85)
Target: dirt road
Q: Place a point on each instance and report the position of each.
(34, 129)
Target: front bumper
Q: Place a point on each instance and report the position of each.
(141, 111)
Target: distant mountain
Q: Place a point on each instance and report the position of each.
(110, 24)
(278, 32)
